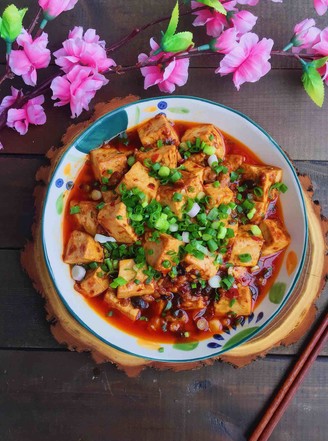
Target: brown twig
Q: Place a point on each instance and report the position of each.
(137, 31)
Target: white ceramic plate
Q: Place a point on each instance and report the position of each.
(179, 108)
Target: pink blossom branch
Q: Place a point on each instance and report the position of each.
(137, 31)
(8, 73)
(35, 21)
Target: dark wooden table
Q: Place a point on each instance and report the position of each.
(49, 393)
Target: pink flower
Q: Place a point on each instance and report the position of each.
(165, 75)
(321, 6)
(321, 49)
(214, 21)
(226, 42)
(243, 21)
(85, 50)
(30, 113)
(33, 56)
(9, 100)
(52, 8)
(77, 88)
(305, 35)
(248, 61)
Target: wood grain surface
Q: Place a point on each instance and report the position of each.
(47, 392)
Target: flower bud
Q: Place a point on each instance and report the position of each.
(12, 23)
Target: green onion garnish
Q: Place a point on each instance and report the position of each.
(131, 160)
(245, 257)
(101, 205)
(177, 197)
(75, 209)
(256, 230)
(258, 191)
(119, 281)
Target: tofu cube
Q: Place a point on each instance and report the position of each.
(209, 134)
(167, 155)
(276, 238)
(264, 177)
(206, 267)
(166, 249)
(123, 305)
(129, 272)
(246, 243)
(138, 177)
(233, 162)
(261, 211)
(107, 161)
(87, 216)
(189, 187)
(239, 304)
(156, 129)
(113, 218)
(218, 195)
(194, 168)
(109, 196)
(82, 248)
(95, 283)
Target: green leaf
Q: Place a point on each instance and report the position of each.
(239, 337)
(215, 4)
(178, 42)
(319, 63)
(313, 85)
(12, 23)
(60, 203)
(277, 292)
(188, 346)
(173, 24)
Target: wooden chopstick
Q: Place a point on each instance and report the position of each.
(288, 389)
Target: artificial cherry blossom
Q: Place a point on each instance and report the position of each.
(248, 61)
(33, 55)
(166, 74)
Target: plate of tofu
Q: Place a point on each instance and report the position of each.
(174, 229)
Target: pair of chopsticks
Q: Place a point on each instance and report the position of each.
(288, 389)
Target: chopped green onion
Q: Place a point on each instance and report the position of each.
(227, 282)
(258, 191)
(213, 214)
(256, 230)
(232, 302)
(110, 313)
(222, 232)
(166, 264)
(212, 245)
(216, 184)
(177, 197)
(175, 176)
(245, 257)
(100, 206)
(251, 213)
(93, 265)
(206, 237)
(104, 180)
(119, 217)
(75, 209)
(159, 143)
(110, 172)
(164, 172)
(119, 281)
(209, 150)
(131, 160)
(211, 137)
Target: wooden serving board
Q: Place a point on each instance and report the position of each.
(288, 327)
